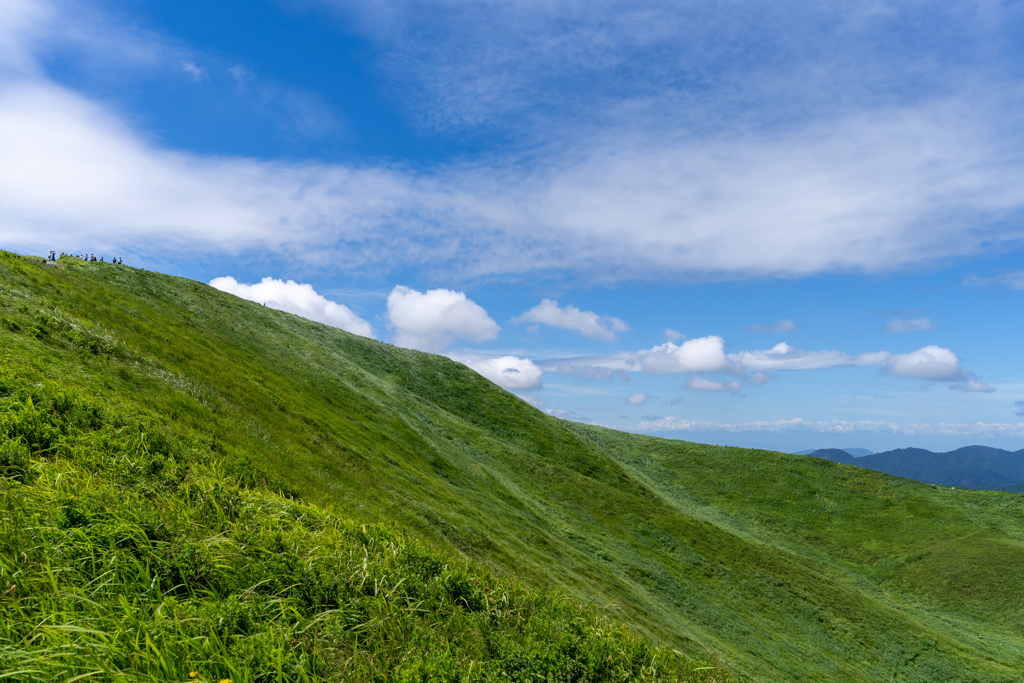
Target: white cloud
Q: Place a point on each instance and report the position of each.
(979, 429)
(637, 399)
(588, 323)
(242, 75)
(703, 354)
(871, 189)
(782, 356)
(66, 161)
(300, 299)
(784, 325)
(707, 354)
(196, 73)
(931, 363)
(1014, 280)
(897, 325)
(701, 384)
(972, 385)
(515, 374)
(673, 336)
(431, 321)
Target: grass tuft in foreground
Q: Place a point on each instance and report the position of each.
(127, 553)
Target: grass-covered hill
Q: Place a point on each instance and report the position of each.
(195, 483)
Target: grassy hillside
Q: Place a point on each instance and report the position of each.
(788, 567)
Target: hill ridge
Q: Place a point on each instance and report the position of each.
(789, 568)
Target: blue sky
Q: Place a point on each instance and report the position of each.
(777, 224)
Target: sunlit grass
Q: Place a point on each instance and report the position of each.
(204, 425)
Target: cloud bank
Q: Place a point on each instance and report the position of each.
(431, 321)
(300, 299)
(985, 430)
(756, 367)
(629, 197)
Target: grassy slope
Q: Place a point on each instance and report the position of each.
(790, 567)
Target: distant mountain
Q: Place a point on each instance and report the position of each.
(972, 467)
(1015, 488)
(833, 454)
(855, 452)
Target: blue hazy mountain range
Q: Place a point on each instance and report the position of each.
(855, 452)
(973, 467)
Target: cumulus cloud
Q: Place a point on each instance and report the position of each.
(516, 374)
(588, 323)
(300, 299)
(703, 354)
(431, 321)
(784, 325)
(930, 363)
(636, 399)
(972, 385)
(701, 384)
(898, 325)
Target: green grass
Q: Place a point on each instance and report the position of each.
(786, 567)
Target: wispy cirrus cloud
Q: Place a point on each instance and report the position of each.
(784, 325)
(1013, 280)
(194, 72)
(651, 196)
(701, 384)
(900, 325)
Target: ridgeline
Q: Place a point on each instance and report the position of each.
(196, 487)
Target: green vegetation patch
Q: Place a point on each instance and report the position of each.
(175, 445)
(126, 553)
